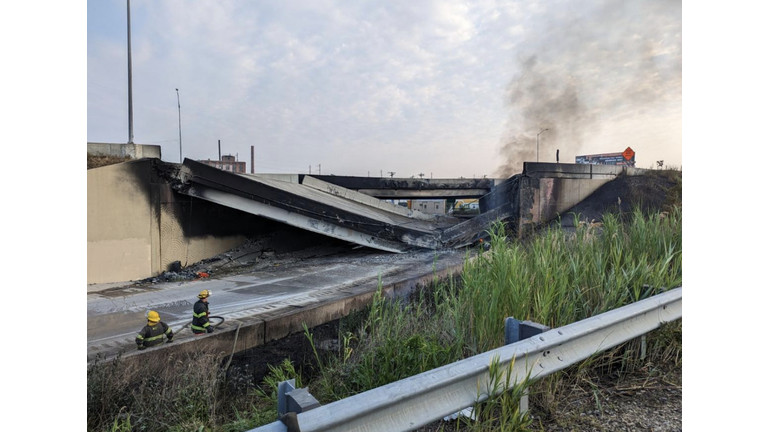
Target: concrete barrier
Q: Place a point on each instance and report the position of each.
(134, 151)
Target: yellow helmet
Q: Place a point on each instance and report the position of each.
(204, 293)
(153, 316)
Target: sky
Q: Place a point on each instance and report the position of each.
(439, 88)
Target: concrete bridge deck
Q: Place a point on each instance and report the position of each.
(414, 188)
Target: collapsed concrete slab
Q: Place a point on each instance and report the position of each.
(316, 206)
(542, 192)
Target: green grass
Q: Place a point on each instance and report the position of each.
(555, 279)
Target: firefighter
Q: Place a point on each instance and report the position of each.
(152, 333)
(200, 322)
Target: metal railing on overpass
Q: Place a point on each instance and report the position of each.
(422, 399)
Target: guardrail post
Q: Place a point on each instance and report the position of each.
(284, 388)
(291, 399)
(515, 331)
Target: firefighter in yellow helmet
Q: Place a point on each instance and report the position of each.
(200, 322)
(152, 333)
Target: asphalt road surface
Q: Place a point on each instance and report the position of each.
(116, 315)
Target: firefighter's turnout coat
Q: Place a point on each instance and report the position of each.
(200, 322)
(152, 335)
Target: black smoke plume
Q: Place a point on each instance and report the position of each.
(588, 69)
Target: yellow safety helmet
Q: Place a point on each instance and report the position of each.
(203, 294)
(153, 316)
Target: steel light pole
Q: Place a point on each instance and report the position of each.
(178, 100)
(130, 78)
(537, 143)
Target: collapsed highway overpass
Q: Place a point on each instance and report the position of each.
(276, 300)
(146, 215)
(316, 206)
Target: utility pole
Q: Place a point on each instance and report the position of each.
(130, 79)
(310, 169)
(219, 150)
(537, 143)
(253, 169)
(178, 100)
(319, 171)
(391, 174)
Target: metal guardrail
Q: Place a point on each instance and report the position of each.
(421, 399)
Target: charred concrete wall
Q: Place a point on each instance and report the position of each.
(549, 190)
(504, 193)
(137, 225)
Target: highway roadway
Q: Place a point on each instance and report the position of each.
(116, 315)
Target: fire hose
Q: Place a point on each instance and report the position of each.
(221, 321)
(189, 324)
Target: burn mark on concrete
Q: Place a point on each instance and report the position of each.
(356, 183)
(200, 218)
(527, 200)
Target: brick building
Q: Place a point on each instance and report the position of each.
(227, 163)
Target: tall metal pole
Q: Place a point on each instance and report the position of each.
(130, 79)
(537, 143)
(178, 100)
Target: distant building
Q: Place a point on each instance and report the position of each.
(627, 157)
(429, 206)
(227, 163)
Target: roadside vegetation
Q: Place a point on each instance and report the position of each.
(555, 277)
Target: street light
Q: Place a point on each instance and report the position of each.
(130, 78)
(179, 102)
(537, 143)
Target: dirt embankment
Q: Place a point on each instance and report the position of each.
(650, 399)
(656, 191)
